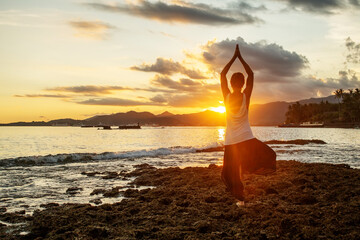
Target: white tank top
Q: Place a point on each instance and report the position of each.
(237, 124)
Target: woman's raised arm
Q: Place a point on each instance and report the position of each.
(249, 80)
(224, 83)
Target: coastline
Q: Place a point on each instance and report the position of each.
(300, 201)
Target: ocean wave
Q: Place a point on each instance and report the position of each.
(85, 157)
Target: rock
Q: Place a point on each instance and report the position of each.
(192, 203)
(165, 201)
(210, 199)
(114, 192)
(96, 201)
(2, 209)
(286, 225)
(131, 193)
(183, 204)
(49, 205)
(307, 199)
(213, 166)
(97, 232)
(20, 212)
(343, 165)
(73, 190)
(89, 174)
(110, 175)
(202, 226)
(214, 149)
(98, 191)
(144, 166)
(14, 217)
(296, 142)
(271, 191)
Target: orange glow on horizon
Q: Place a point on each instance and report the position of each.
(220, 109)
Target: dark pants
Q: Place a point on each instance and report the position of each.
(253, 156)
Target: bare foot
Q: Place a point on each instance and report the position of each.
(240, 203)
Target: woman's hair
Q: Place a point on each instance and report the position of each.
(237, 80)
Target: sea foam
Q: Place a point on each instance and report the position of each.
(85, 157)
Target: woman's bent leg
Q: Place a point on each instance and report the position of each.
(265, 159)
(259, 158)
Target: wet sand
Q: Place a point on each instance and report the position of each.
(300, 201)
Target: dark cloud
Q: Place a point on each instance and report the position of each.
(89, 89)
(201, 99)
(189, 82)
(355, 3)
(91, 29)
(168, 67)
(321, 6)
(43, 96)
(307, 86)
(244, 6)
(353, 51)
(270, 62)
(183, 85)
(346, 79)
(115, 102)
(159, 99)
(181, 12)
(164, 81)
(88, 25)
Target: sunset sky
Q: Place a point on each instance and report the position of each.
(79, 58)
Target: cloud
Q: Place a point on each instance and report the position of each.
(304, 87)
(89, 89)
(244, 6)
(164, 81)
(321, 6)
(183, 85)
(91, 29)
(168, 67)
(278, 76)
(158, 99)
(270, 61)
(354, 51)
(180, 12)
(43, 96)
(115, 102)
(346, 79)
(200, 99)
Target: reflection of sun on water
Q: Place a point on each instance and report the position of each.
(221, 132)
(220, 109)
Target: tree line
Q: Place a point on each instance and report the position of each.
(347, 110)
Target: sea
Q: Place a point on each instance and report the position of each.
(39, 164)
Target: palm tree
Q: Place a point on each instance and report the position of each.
(338, 94)
(357, 103)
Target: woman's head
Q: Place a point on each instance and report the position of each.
(237, 81)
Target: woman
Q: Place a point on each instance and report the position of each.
(243, 152)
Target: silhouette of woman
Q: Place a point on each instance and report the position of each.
(243, 152)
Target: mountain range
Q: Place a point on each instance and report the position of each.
(268, 114)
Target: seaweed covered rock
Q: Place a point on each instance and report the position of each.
(300, 201)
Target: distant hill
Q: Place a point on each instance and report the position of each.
(165, 114)
(131, 117)
(269, 114)
(330, 99)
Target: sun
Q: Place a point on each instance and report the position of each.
(220, 109)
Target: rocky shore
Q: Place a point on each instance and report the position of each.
(300, 201)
